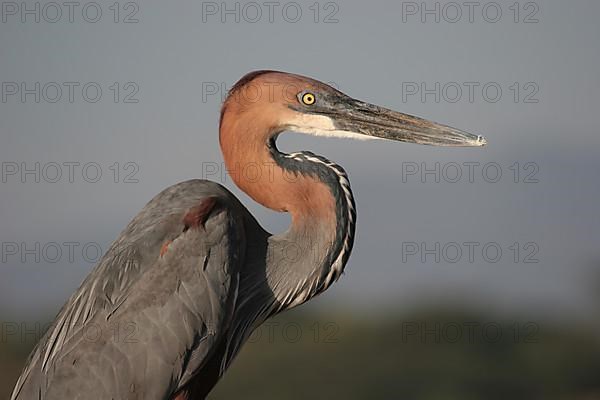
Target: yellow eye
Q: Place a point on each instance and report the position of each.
(308, 99)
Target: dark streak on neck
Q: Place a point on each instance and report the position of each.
(325, 174)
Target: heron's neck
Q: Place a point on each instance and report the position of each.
(312, 253)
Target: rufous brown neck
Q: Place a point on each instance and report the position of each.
(244, 138)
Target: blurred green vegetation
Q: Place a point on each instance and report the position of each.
(428, 355)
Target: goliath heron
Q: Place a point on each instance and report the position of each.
(193, 274)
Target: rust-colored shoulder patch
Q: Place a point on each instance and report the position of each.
(165, 247)
(197, 215)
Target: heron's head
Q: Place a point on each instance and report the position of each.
(280, 101)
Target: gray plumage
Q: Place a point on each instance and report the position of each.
(177, 305)
(193, 307)
(172, 301)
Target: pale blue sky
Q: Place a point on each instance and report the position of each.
(371, 54)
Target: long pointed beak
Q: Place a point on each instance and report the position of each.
(368, 119)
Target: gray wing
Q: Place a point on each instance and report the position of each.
(150, 313)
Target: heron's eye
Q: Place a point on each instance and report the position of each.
(308, 99)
